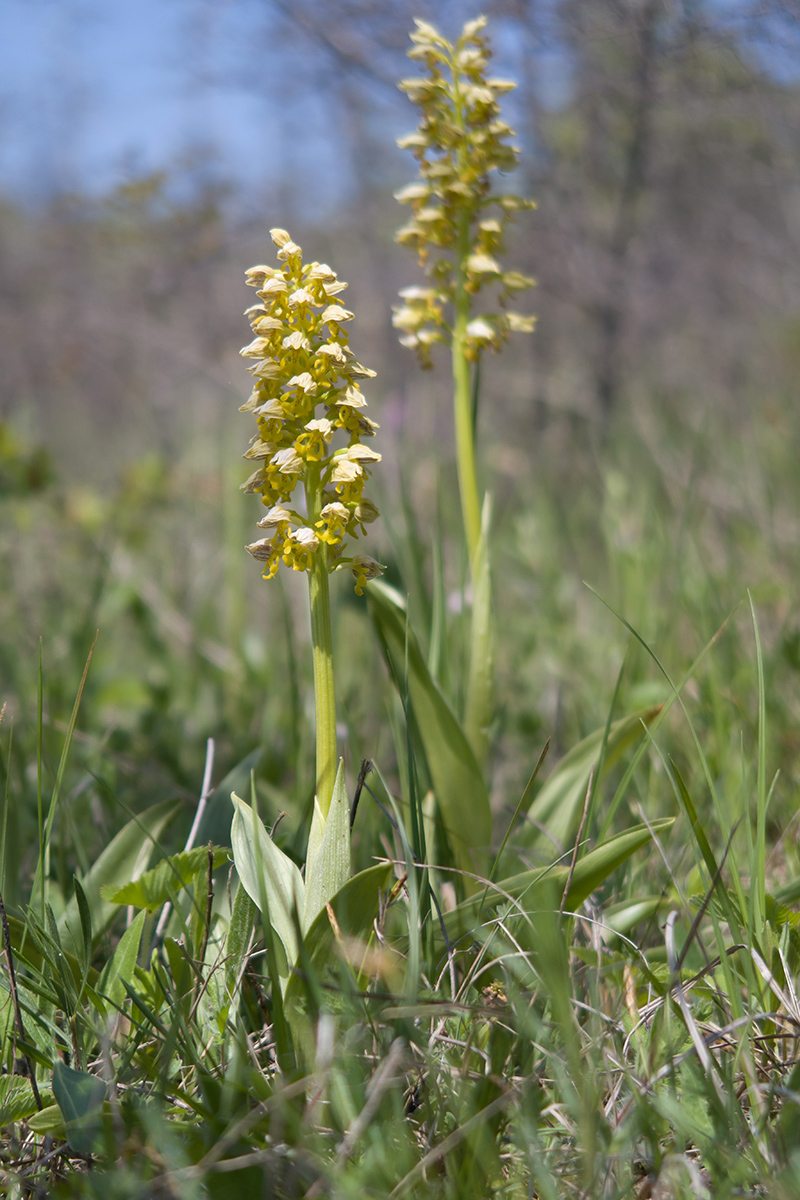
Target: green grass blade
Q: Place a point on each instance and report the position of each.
(457, 779)
(559, 804)
(43, 865)
(758, 870)
(479, 704)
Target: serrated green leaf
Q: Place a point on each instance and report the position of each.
(120, 967)
(152, 889)
(16, 1099)
(558, 806)
(125, 858)
(460, 790)
(268, 875)
(329, 870)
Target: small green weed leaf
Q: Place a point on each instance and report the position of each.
(80, 1098)
(120, 967)
(125, 858)
(329, 870)
(180, 968)
(457, 780)
(155, 887)
(558, 806)
(268, 875)
(16, 1099)
(49, 1120)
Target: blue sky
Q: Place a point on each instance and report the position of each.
(90, 91)
(94, 90)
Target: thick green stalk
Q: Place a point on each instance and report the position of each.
(462, 400)
(462, 395)
(322, 648)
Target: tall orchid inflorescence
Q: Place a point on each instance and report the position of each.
(306, 395)
(457, 229)
(458, 221)
(305, 391)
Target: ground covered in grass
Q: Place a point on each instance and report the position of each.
(607, 1009)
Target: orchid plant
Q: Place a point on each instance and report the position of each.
(457, 229)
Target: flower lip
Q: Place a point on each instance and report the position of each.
(288, 461)
(261, 549)
(277, 515)
(362, 454)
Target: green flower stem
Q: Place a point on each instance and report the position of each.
(462, 394)
(462, 399)
(322, 648)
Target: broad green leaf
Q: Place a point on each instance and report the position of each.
(269, 876)
(125, 858)
(329, 869)
(457, 780)
(532, 887)
(624, 916)
(478, 710)
(120, 967)
(558, 806)
(152, 889)
(354, 907)
(80, 1098)
(16, 1099)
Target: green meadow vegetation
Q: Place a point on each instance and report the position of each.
(458, 857)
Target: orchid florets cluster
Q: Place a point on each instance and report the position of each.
(306, 392)
(457, 227)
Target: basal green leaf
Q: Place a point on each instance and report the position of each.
(268, 875)
(354, 907)
(329, 870)
(457, 780)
